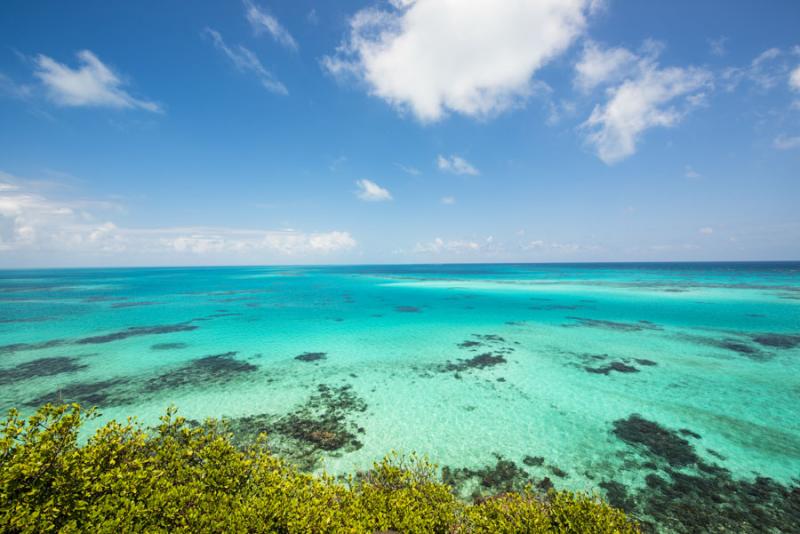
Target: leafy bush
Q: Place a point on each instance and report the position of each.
(179, 477)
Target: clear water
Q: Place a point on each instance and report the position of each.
(560, 340)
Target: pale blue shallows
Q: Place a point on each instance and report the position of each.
(691, 336)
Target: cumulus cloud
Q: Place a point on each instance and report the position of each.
(455, 165)
(246, 61)
(372, 192)
(641, 95)
(785, 142)
(475, 58)
(91, 84)
(261, 21)
(36, 225)
(794, 79)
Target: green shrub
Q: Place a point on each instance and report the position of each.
(178, 477)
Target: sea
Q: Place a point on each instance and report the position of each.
(670, 389)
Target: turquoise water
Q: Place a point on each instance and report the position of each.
(656, 385)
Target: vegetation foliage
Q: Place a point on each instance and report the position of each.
(182, 477)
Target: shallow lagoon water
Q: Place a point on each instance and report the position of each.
(638, 381)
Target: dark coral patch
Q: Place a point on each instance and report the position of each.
(311, 356)
(137, 331)
(690, 433)
(169, 346)
(134, 304)
(20, 347)
(533, 461)
(407, 309)
(40, 367)
(102, 393)
(504, 476)
(214, 369)
(657, 440)
(619, 367)
(482, 361)
(321, 425)
(645, 362)
(614, 325)
(778, 341)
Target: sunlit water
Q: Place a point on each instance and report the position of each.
(464, 364)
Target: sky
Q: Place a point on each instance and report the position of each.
(398, 131)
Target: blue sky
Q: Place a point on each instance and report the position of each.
(174, 133)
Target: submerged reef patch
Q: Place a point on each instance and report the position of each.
(209, 370)
(101, 393)
(482, 361)
(613, 325)
(137, 331)
(777, 341)
(169, 346)
(684, 493)
(619, 367)
(322, 425)
(20, 347)
(311, 356)
(41, 367)
(657, 440)
(407, 309)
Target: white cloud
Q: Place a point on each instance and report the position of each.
(439, 245)
(456, 165)
(246, 61)
(475, 58)
(263, 21)
(413, 171)
(706, 230)
(765, 71)
(794, 79)
(785, 142)
(691, 173)
(648, 96)
(35, 225)
(448, 200)
(602, 65)
(372, 192)
(717, 46)
(91, 84)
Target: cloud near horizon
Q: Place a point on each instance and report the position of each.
(415, 56)
(34, 224)
(91, 84)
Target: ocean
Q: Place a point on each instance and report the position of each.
(671, 389)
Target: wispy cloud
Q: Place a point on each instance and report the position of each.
(455, 165)
(689, 172)
(413, 171)
(91, 84)
(717, 46)
(264, 22)
(448, 200)
(765, 71)
(641, 96)
(246, 61)
(785, 142)
(372, 192)
(476, 58)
